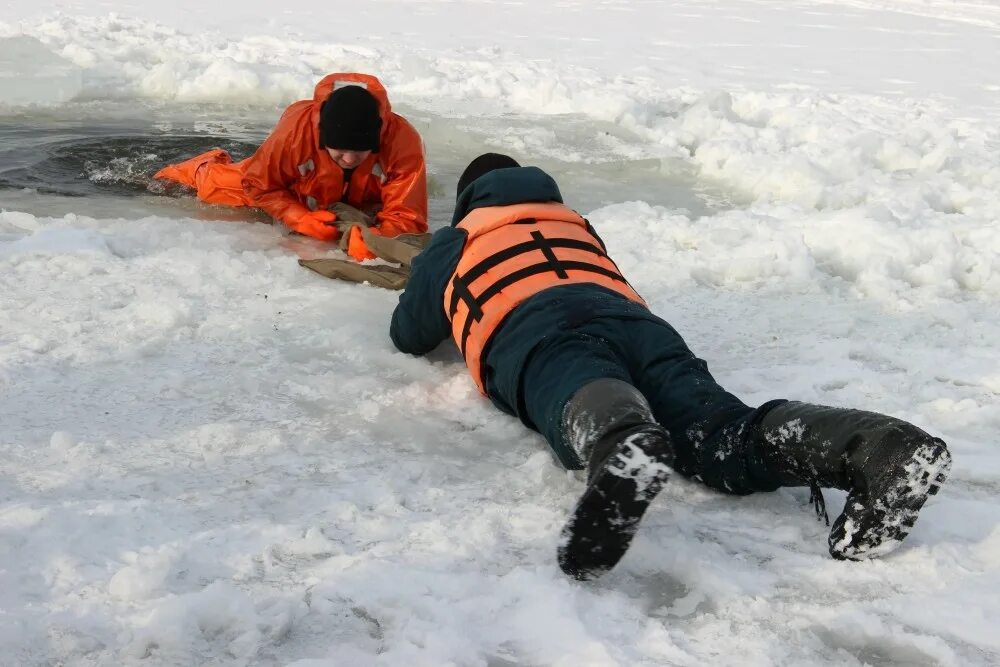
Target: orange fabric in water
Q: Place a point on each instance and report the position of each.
(222, 183)
(511, 254)
(291, 174)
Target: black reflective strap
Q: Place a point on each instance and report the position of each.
(526, 272)
(535, 269)
(467, 329)
(546, 247)
(460, 284)
(460, 290)
(492, 261)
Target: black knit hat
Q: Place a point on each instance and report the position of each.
(482, 165)
(350, 120)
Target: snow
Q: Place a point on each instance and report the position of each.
(212, 456)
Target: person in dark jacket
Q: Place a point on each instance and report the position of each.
(554, 334)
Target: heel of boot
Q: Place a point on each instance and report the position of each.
(606, 517)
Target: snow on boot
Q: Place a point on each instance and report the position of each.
(610, 425)
(877, 518)
(888, 467)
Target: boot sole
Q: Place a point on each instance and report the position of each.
(606, 517)
(895, 513)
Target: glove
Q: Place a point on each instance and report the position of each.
(317, 224)
(347, 213)
(356, 247)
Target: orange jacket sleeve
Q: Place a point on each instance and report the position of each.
(404, 192)
(269, 173)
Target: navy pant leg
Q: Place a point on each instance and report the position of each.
(556, 370)
(712, 430)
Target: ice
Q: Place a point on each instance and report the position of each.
(30, 73)
(211, 456)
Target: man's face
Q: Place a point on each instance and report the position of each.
(347, 159)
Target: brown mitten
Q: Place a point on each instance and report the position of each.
(347, 213)
(389, 277)
(399, 249)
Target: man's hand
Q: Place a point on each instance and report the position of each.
(353, 243)
(318, 224)
(347, 213)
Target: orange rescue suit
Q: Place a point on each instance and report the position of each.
(511, 254)
(291, 175)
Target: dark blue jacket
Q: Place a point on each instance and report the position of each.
(419, 323)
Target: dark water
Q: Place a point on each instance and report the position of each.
(90, 154)
(109, 164)
(99, 161)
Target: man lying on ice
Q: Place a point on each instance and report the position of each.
(554, 334)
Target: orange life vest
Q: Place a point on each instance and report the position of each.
(511, 254)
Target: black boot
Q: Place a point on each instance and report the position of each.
(610, 425)
(888, 467)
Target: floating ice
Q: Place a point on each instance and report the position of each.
(32, 74)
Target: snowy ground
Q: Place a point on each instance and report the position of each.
(211, 456)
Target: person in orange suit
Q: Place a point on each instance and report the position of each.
(341, 159)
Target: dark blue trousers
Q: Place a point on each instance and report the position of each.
(712, 430)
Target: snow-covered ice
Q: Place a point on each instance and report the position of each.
(209, 455)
